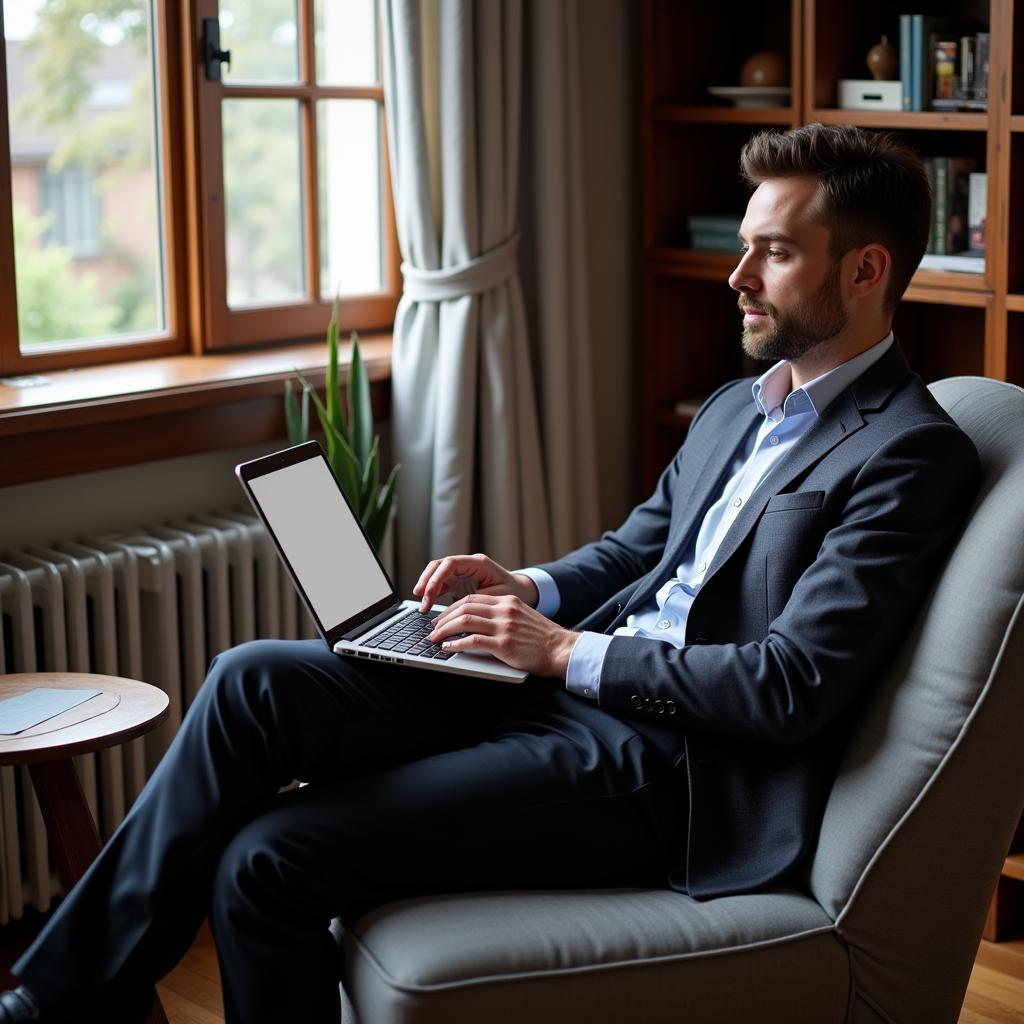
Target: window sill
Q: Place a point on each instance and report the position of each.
(123, 414)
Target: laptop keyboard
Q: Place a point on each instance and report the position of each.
(408, 635)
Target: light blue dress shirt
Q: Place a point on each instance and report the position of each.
(787, 416)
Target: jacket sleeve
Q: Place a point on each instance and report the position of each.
(848, 610)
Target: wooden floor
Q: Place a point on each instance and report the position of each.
(191, 993)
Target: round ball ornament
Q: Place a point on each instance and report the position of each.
(765, 69)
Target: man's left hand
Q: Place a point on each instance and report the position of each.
(509, 629)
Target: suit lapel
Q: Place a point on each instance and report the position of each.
(704, 472)
(841, 420)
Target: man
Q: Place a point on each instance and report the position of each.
(683, 733)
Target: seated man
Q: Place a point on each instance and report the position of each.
(682, 733)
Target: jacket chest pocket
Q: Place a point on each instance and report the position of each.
(791, 531)
(795, 501)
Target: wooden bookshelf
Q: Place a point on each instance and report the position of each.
(948, 324)
(689, 150)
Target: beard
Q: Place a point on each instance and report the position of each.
(793, 334)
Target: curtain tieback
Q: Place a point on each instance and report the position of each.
(479, 274)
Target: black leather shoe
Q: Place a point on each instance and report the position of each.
(18, 1005)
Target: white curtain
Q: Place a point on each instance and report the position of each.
(465, 410)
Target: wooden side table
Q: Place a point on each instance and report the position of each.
(124, 710)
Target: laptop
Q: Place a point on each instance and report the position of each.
(338, 574)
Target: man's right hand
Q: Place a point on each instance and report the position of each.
(460, 575)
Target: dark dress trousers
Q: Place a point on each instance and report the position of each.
(703, 767)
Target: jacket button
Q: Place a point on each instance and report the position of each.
(648, 703)
(636, 701)
(659, 706)
(670, 706)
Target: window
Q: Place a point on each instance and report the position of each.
(72, 208)
(154, 202)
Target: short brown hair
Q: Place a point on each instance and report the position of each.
(871, 187)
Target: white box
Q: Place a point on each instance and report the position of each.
(865, 94)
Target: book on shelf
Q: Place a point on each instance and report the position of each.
(717, 233)
(969, 262)
(943, 64)
(944, 54)
(970, 81)
(950, 180)
(977, 207)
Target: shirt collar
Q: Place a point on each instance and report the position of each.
(773, 398)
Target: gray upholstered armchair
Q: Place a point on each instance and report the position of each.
(885, 922)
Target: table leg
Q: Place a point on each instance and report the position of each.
(70, 830)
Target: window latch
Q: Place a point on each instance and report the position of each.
(213, 55)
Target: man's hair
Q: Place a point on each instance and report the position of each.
(871, 188)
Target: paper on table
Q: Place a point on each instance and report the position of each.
(27, 709)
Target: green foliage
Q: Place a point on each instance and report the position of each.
(68, 42)
(353, 450)
(53, 303)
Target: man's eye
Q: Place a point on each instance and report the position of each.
(776, 254)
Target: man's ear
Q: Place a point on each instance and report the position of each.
(870, 270)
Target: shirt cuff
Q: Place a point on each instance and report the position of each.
(548, 598)
(583, 676)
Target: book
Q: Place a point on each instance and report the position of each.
(921, 27)
(905, 77)
(967, 72)
(944, 56)
(714, 241)
(718, 233)
(727, 223)
(958, 103)
(950, 179)
(977, 206)
(961, 263)
(981, 66)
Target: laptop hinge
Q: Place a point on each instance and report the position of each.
(365, 627)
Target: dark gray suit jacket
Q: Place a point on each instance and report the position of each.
(813, 587)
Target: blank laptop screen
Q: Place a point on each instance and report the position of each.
(321, 540)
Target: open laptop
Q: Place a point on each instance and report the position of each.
(338, 574)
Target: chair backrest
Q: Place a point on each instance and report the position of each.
(932, 783)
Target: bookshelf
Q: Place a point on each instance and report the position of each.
(948, 323)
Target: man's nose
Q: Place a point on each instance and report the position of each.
(743, 279)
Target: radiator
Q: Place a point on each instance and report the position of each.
(154, 604)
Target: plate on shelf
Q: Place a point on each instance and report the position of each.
(752, 95)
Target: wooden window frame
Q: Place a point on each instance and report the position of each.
(198, 317)
(218, 326)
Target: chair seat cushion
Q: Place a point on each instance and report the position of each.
(631, 954)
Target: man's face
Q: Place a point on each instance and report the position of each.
(789, 286)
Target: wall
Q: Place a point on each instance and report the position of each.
(119, 499)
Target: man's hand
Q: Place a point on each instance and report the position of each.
(509, 629)
(460, 575)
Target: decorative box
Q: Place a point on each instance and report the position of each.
(858, 94)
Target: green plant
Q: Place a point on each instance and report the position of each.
(353, 450)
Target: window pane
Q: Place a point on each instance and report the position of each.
(262, 37)
(348, 135)
(84, 178)
(346, 42)
(262, 185)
